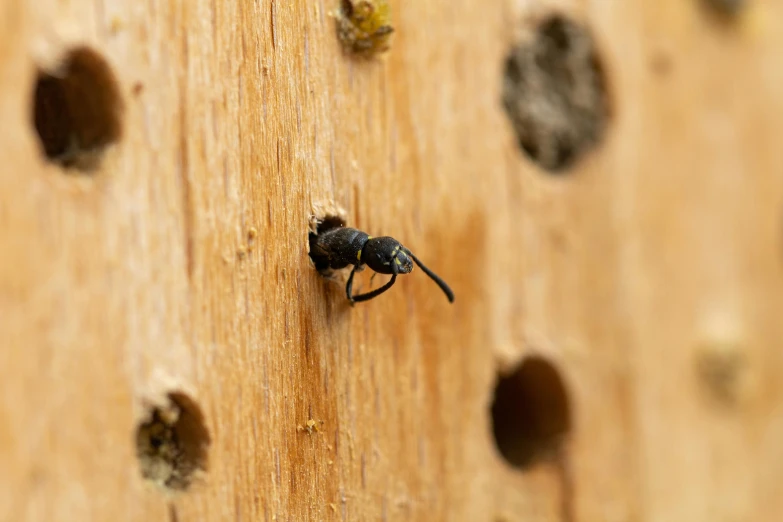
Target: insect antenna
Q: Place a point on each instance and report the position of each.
(440, 282)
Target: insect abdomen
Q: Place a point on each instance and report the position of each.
(337, 248)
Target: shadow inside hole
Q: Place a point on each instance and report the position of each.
(531, 414)
(77, 110)
(329, 222)
(172, 445)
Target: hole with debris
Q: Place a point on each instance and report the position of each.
(364, 26)
(172, 443)
(554, 93)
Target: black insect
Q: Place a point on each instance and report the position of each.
(339, 247)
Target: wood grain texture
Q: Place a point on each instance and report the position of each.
(657, 256)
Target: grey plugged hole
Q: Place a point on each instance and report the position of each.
(554, 93)
(77, 110)
(722, 368)
(725, 7)
(172, 443)
(531, 414)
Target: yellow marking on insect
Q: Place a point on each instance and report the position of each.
(359, 255)
(396, 260)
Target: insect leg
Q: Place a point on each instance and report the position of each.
(374, 293)
(349, 285)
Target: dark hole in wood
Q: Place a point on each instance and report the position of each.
(531, 414)
(77, 110)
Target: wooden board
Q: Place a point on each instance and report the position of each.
(650, 275)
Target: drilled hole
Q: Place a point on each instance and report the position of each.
(172, 443)
(77, 110)
(530, 414)
(554, 93)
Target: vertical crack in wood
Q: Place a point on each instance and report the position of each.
(173, 516)
(566, 478)
(272, 24)
(184, 162)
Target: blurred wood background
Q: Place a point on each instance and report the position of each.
(649, 275)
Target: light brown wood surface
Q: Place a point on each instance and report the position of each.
(656, 256)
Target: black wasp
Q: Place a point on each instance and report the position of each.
(340, 246)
